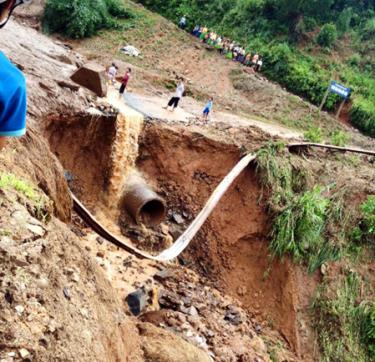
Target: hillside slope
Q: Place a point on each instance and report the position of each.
(304, 44)
(283, 270)
(168, 52)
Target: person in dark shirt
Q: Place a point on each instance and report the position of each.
(124, 82)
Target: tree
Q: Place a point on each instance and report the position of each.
(327, 35)
(343, 22)
(82, 18)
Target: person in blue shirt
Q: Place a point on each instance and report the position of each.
(208, 109)
(12, 86)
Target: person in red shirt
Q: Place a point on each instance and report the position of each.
(125, 82)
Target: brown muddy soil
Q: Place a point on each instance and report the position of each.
(232, 247)
(83, 144)
(185, 164)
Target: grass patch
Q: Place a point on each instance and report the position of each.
(9, 181)
(339, 138)
(341, 321)
(37, 204)
(314, 134)
(299, 230)
(311, 224)
(365, 231)
(275, 174)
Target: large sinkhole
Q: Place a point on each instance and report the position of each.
(231, 248)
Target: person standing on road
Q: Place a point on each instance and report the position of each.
(174, 101)
(124, 82)
(112, 72)
(208, 109)
(13, 104)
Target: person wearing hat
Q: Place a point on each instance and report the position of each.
(12, 86)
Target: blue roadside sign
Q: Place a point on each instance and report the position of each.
(339, 89)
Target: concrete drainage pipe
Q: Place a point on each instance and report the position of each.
(143, 204)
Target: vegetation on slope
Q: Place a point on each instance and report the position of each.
(37, 204)
(314, 226)
(345, 320)
(85, 17)
(305, 44)
(311, 223)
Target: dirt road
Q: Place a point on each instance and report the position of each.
(152, 106)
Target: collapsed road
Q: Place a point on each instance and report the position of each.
(184, 240)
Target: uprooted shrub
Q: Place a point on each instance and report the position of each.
(83, 18)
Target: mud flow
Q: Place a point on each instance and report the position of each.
(183, 169)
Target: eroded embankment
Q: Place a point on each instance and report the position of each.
(83, 143)
(232, 247)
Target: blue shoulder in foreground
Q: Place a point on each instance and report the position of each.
(12, 100)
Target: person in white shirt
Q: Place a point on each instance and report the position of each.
(259, 65)
(173, 102)
(182, 23)
(112, 72)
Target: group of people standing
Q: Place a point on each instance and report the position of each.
(228, 48)
(180, 90)
(173, 102)
(112, 73)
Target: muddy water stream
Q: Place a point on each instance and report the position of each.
(125, 148)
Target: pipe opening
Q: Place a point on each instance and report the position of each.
(142, 203)
(152, 213)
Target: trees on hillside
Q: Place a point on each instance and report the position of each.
(82, 18)
(282, 16)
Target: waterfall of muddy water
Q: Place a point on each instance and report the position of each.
(125, 148)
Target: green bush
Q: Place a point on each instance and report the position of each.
(343, 22)
(365, 231)
(354, 60)
(362, 115)
(299, 230)
(314, 134)
(339, 138)
(368, 211)
(368, 329)
(369, 29)
(82, 18)
(327, 35)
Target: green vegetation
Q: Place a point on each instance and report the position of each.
(310, 223)
(276, 173)
(327, 35)
(11, 181)
(298, 230)
(83, 18)
(368, 329)
(365, 231)
(37, 204)
(345, 327)
(339, 138)
(284, 32)
(314, 134)
(362, 113)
